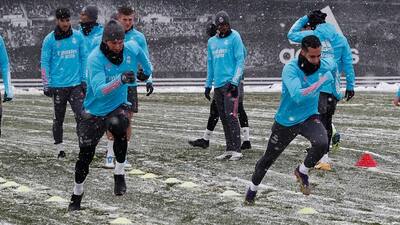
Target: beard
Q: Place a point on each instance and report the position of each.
(307, 67)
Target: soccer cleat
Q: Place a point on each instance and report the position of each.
(61, 155)
(119, 185)
(323, 166)
(75, 203)
(226, 155)
(303, 180)
(250, 197)
(109, 163)
(335, 142)
(245, 145)
(202, 143)
(127, 164)
(236, 156)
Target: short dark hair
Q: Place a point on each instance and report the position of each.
(310, 41)
(63, 13)
(126, 10)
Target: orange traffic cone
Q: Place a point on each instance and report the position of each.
(366, 160)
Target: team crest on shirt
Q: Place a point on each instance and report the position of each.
(74, 41)
(226, 42)
(128, 59)
(108, 66)
(58, 44)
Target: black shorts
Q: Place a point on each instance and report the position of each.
(327, 103)
(92, 128)
(133, 99)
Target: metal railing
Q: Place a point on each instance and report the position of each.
(362, 81)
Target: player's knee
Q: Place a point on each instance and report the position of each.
(321, 144)
(118, 125)
(86, 154)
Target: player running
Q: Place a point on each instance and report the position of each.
(302, 80)
(111, 67)
(334, 45)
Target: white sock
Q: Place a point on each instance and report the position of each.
(119, 168)
(110, 148)
(253, 187)
(207, 135)
(303, 169)
(78, 189)
(246, 133)
(325, 159)
(60, 147)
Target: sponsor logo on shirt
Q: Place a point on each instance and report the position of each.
(67, 54)
(219, 53)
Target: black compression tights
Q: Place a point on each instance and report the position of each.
(214, 116)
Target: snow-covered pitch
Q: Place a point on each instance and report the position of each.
(35, 187)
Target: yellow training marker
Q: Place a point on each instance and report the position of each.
(136, 172)
(307, 211)
(188, 185)
(9, 184)
(121, 220)
(56, 199)
(149, 176)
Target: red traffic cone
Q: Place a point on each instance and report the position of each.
(366, 160)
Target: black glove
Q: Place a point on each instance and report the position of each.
(211, 29)
(349, 95)
(6, 98)
(149, 89)
(141, 76)
(207, 93)
(316, 17)
(233, 90)
(128, 77)
(48, 92)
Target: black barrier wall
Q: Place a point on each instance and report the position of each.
(175, 31)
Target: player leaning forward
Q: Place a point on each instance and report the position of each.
(225, 63)
(111, 67)
(302, 80)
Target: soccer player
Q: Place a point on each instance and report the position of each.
(396, 99)
(302, 80)
(63, 64)
(111, 67)
(125, 15)
(213, 118)
(225, 63)
(5, 72)
(89, 27)
(336, 46)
